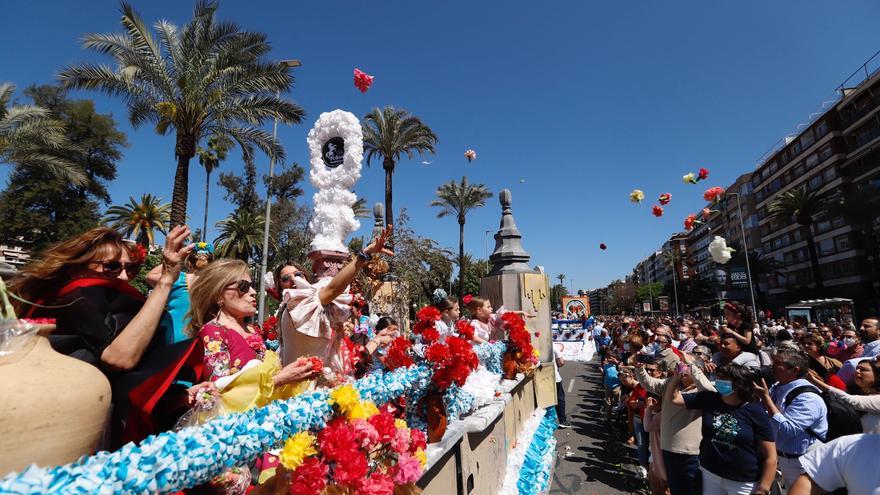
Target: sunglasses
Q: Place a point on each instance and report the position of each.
(114, 268)
(289, 277)
(242, 286)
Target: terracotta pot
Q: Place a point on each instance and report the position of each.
(508, 365)
(436, 412)
(54, 408)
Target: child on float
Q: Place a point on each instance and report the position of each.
(449, 313)
(488, 325)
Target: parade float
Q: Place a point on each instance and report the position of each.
(437, 416)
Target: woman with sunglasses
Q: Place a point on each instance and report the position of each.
(83, 283)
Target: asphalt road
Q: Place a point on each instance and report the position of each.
(591, 457)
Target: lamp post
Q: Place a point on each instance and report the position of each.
(742, 232)
(262, 301)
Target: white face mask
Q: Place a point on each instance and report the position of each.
(682, 336)
(625, 347)
(849, 341)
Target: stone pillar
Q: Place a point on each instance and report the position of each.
(516, 286)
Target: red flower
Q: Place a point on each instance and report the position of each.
(420, 326)
(438, 354)
(465, 329)
(467, 298)
(398, 354)
(689, 222)
(350, 468)
(378, 483)
(713, 194)
(362, 80)
(428, 313)
(384, 425)
(602, 246)
(336, 439)
(430, 335)
(657, 211)
(704, 173)
(310, 478)
(417, 439)
(665, 198)
(270, 323)
(138, 254)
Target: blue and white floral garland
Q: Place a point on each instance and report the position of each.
(530, 462)
(490, 354)
(172, 461)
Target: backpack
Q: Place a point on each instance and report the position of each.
(843, 419)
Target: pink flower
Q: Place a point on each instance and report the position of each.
(706, 214)
(362, 80)
(365, 434)
(400, 441)
(377, 484)
(657, 211)
(408, 470)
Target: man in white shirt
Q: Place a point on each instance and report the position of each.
(731, 352)
(848, 462)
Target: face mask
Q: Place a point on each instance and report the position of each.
(655, 348)
(849, 342)
(724, 387)
(625, 347)
(682, 336)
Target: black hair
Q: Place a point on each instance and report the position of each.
(795, 359)
(744, 314)
(854, 389)
(445, 303)
(385, 322)
(743, 380)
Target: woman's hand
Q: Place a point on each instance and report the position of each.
(194, 393)
(817, 380)
(293, 373)
(174, 252)
(378, 244)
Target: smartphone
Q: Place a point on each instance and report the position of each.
(682, 369)
(645, 358)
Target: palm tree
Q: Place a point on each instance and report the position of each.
(241, 235)
(390, 133)
(561, 278)
(859, 206)
(30, 137)
(803, 207)
(140, 219)
(205, 78)
(458, 199)
(210, 158)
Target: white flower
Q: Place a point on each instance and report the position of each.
(719, 251)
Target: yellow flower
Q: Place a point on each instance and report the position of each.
(214, 346)
(296, 449)
(420, 455)
(399, 423)
(636, 196)
(536, 353)
(370, 408)
(357, 411)
(345, 396)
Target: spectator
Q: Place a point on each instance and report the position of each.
(869, 334)
(849, 462)
(560, 391)
(846, 347)
(636, 405)
(611, 381)
(825, 365)
(732, 352)
(863, 394)
(679, 428)
(740, 324)
(686, 342)
(799, 421)
(737, 451)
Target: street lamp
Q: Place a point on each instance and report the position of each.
(262, 302)
(742, 231)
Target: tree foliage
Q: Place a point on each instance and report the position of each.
(474, 270)
(39, 207)
(421, 265)
(139, 219)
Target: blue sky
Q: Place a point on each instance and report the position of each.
(584, 101)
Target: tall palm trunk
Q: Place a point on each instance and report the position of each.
(388, 165)
(207, 192)
(460, 258)
(185, 150)
(814, 257)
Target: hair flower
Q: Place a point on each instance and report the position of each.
(467, 298)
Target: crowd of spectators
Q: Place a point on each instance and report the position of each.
(738, 406)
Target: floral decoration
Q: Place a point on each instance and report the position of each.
(471, 155)
(703, 175)
(657, 210)
(519, 343)
(452, 360)
(665, 198)
(138, 253)
(719, 251)
(636, 196)
(467, 298)
(690, 221)
(269, 331)
(398, 354)
(465, 329)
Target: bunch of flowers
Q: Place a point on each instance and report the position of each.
(471, 155)
(691, 221)
(398, 354)
(362, 450)
(362, 80)
(425, 324)
(692, 178)
(713, 194)
(314, 361)
(519, 343)
(453, 360)
(465, 329)
(270, 333)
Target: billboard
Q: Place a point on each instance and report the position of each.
(575, 307)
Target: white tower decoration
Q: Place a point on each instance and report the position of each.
(336, 148)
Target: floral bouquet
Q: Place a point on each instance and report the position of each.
(362, 450)
(425, 325)
(521, 356)
(269, 329)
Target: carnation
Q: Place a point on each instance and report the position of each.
(430, 335)
(350, 468)
(417, 439)
(336, 439)
(465, 329)
(428, 313)
(400, 440)
(377, 484)
(365, 433)
(408, 469)
(310, 478)
(384, 425)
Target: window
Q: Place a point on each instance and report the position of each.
(837, 222)
(825, 151)
(841, 243)
(797, 235)
(821, 128)
(830, 271)
(812, 160)
(776, 184)
(829, 174)
(745, 189)
(796, 148)
(847, 267)
(826, 247)
(815, 182)
(759, 196)
(752, 221)
(777, 243)
(823, 226)
(800, 169)
(807, 138)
